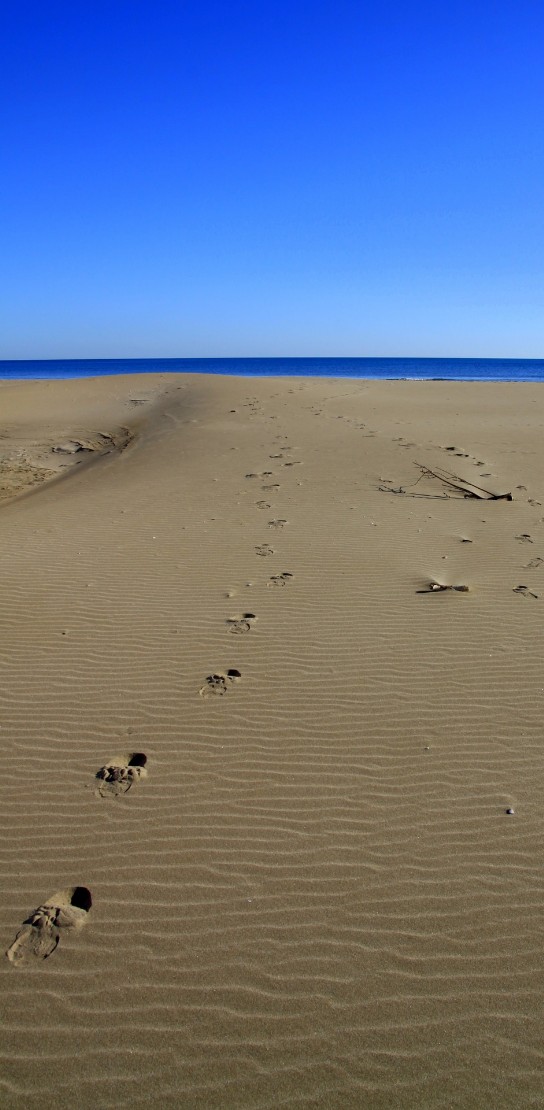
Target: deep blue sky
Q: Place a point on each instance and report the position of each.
(323, 178)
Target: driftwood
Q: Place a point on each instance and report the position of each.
(427, 496)
(437, 587)
(468, 489)
(463, 488)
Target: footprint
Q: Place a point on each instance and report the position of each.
(241, 624)
(524, 537)
(40, 933)
(218, 684)
(280, 579)
(264, 474)
(263, 505)
(117, 776)
(264, 549)
(536, 562)
(279, 523)
(525, 591)
(296, 462)
(273, 485)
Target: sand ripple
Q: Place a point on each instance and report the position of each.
(316, 898)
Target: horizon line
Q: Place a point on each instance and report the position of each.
(279, 358)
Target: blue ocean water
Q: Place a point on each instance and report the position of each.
(438, 369)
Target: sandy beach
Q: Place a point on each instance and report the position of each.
(271, 739)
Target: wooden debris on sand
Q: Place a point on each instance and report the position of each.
(462, 486)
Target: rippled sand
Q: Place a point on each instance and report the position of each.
(314, 847)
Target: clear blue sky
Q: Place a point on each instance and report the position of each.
(325, 178)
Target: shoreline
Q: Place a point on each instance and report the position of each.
(289, 377)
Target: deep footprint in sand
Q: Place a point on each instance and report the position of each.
(280, 579)
(41, 932)
(263, 504)
(264, 549)
(117, 776)
(278, 523)
(240, 625)
(218, 684)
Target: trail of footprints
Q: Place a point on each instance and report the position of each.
(67, 910)
(522, 590)
(434, 587)
(521, 537)
(220, 683)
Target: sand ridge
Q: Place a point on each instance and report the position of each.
(328, 889)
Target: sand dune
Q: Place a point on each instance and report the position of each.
(300, 786)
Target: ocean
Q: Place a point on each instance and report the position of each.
(430, 369)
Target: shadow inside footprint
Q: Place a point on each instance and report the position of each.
(241, 624)
(218, 684)
(264, 549)
(525, 592)
(117, 776)
(41, 932)
(279, 523)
